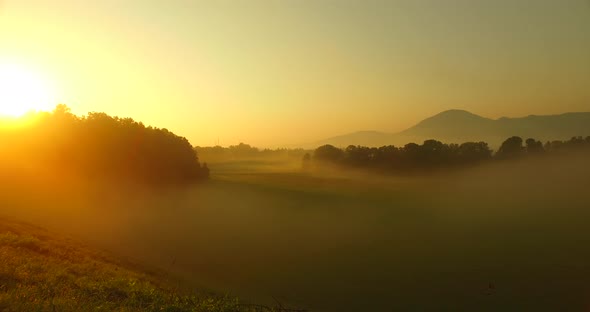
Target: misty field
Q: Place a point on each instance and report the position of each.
(508, 236)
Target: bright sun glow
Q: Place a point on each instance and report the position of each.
(22, 91)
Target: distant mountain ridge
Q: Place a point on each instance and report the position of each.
(458, 126)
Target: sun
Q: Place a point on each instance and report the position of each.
(22, 91)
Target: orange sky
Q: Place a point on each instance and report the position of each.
(275, 73)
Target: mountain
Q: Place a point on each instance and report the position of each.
(451, 123)
(458, 126)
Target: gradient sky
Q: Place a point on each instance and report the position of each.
(275, 73)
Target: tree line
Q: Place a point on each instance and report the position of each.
(101, 146)
(433, 154)
(246, 151)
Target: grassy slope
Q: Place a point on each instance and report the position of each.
(40, 271)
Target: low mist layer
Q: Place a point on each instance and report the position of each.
(508, 234)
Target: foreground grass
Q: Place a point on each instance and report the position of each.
(40, 271)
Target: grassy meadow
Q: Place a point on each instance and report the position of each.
(42, 271)
(508, 236)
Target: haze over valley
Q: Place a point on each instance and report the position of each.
(294, 156)
(456, 126)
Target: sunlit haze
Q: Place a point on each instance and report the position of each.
(277, 73)
(22, 91)
(294, 155)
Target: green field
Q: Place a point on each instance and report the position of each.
(506, 237)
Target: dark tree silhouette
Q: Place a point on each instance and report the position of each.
(554, 146)
(433, 154)
(102, 146)
(328, 153)
(471, 152)
(358, 155)
(511, 148)
(244, 151)
(387, 156)
(534, 147)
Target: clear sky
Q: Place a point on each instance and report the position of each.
(275, 73)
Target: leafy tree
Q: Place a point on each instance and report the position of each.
(434, 154)
(554, 146)
(243, 150)
(387, 155)
(328, 153)
(576, 142)
(510, 148)
(358, 155)
(101, 146)
(472, 152)
(534, 147)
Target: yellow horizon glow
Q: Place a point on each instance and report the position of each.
(294, 72)
(22, 91)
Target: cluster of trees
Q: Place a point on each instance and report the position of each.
(246, 151)
(515, 147)
(433, 154)
(102, 146)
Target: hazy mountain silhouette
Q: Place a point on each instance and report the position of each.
(456, 126)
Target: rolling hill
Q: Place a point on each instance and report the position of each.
(457, 126)
(44, 271)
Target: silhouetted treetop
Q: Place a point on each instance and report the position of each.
(244, 151)
(433, 154)
(328, 153)
(533, 146)
(511, 148)
(99, 145)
